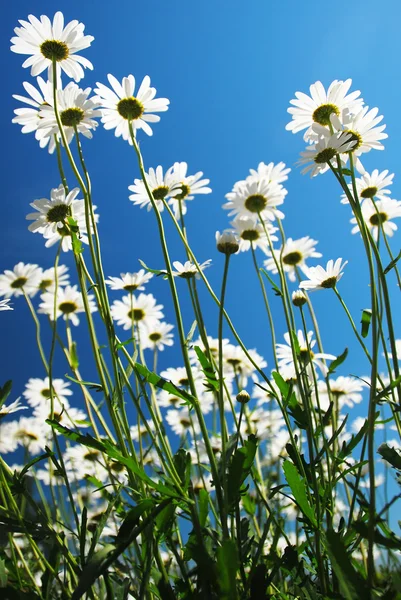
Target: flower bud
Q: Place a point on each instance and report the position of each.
(227, 242)
(243, 397)
(298, 298)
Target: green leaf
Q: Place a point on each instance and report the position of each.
(352, 585)
(154, 271)
(208, 370)
(337, 362)
(3, 573)
(165, 520)
(282, 385)
(112, 452)
(227, 567)
(74, 356)
(297, 412)
(354, 441)
(392, 264)
(390, 540)
(163, 384)
(276, 290)
(125, 343)
(345, 172)
(182, 462)
(203, 501)
(239, 469)
(92, 570)
(33, 462)
(132, 519)
(5, 392)
(390, 455)
(388, 388)
(90, 384)
(366, 319)
(74, 229)
(298, 489)
(191, 333)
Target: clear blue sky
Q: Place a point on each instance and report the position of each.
(229, 69)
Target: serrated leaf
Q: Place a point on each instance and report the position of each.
(239, 469)
(227, 567)
(352, 585)
(163, 384)
(337, 362)
(276, 290)
(298, 488)
(207, 369)
(392, 264)
(365, 321)
(390, 455)
(154, 271)
(5, 392)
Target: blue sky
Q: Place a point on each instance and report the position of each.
(229, 70)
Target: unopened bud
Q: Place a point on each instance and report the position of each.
(298, 298)
(227, 242)
(243, 397)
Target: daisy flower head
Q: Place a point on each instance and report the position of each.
(292, 256)
(130, 282)
(37, 391)
(320, 278)
(68, 303)
(161, 185)
(298, 298)
(189, 186)
(371, 185)
(182, 422)
(227, 242)
(305, 356)
(139, 310)
(24, 278)
(274, 173)
(346, 391)
(316, 157)
(52, 213)
(5, 304)
(48, 278)
(121, 109)
(256, 198)
(251, 233)
(77, 112)
(158, 336)
(29, 116)
(7, 409)
(237, 363)
(188, 270)
(321, 105)
(379, 215)
(46, 42)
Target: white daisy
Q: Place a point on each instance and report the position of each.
(63, 414)
(213, 347)
(256, 198)
(293, 256)
(29, 117)
(371, 185)
(346, 391)
(182, 422)
(317, 156)
(142, 430)
(52, 213)
(37, 391)
(68, 303)
(120, 107)
(5, 304)
(236, 363)
(64, 234)
(31, 433)
(141, 310)
(298, 298)
(76, 110)
(7, 409)
(8, 441)
(158, 336)
(379, 215)
(320, 278)
(46, 42)
(48, 278)
(130, 282)
(161, 185)
(276, 173)
(189, 185)
(250, 230)
(321, 105)
(188, 270)
(306, 355)
(227, 242)
(23, 278)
